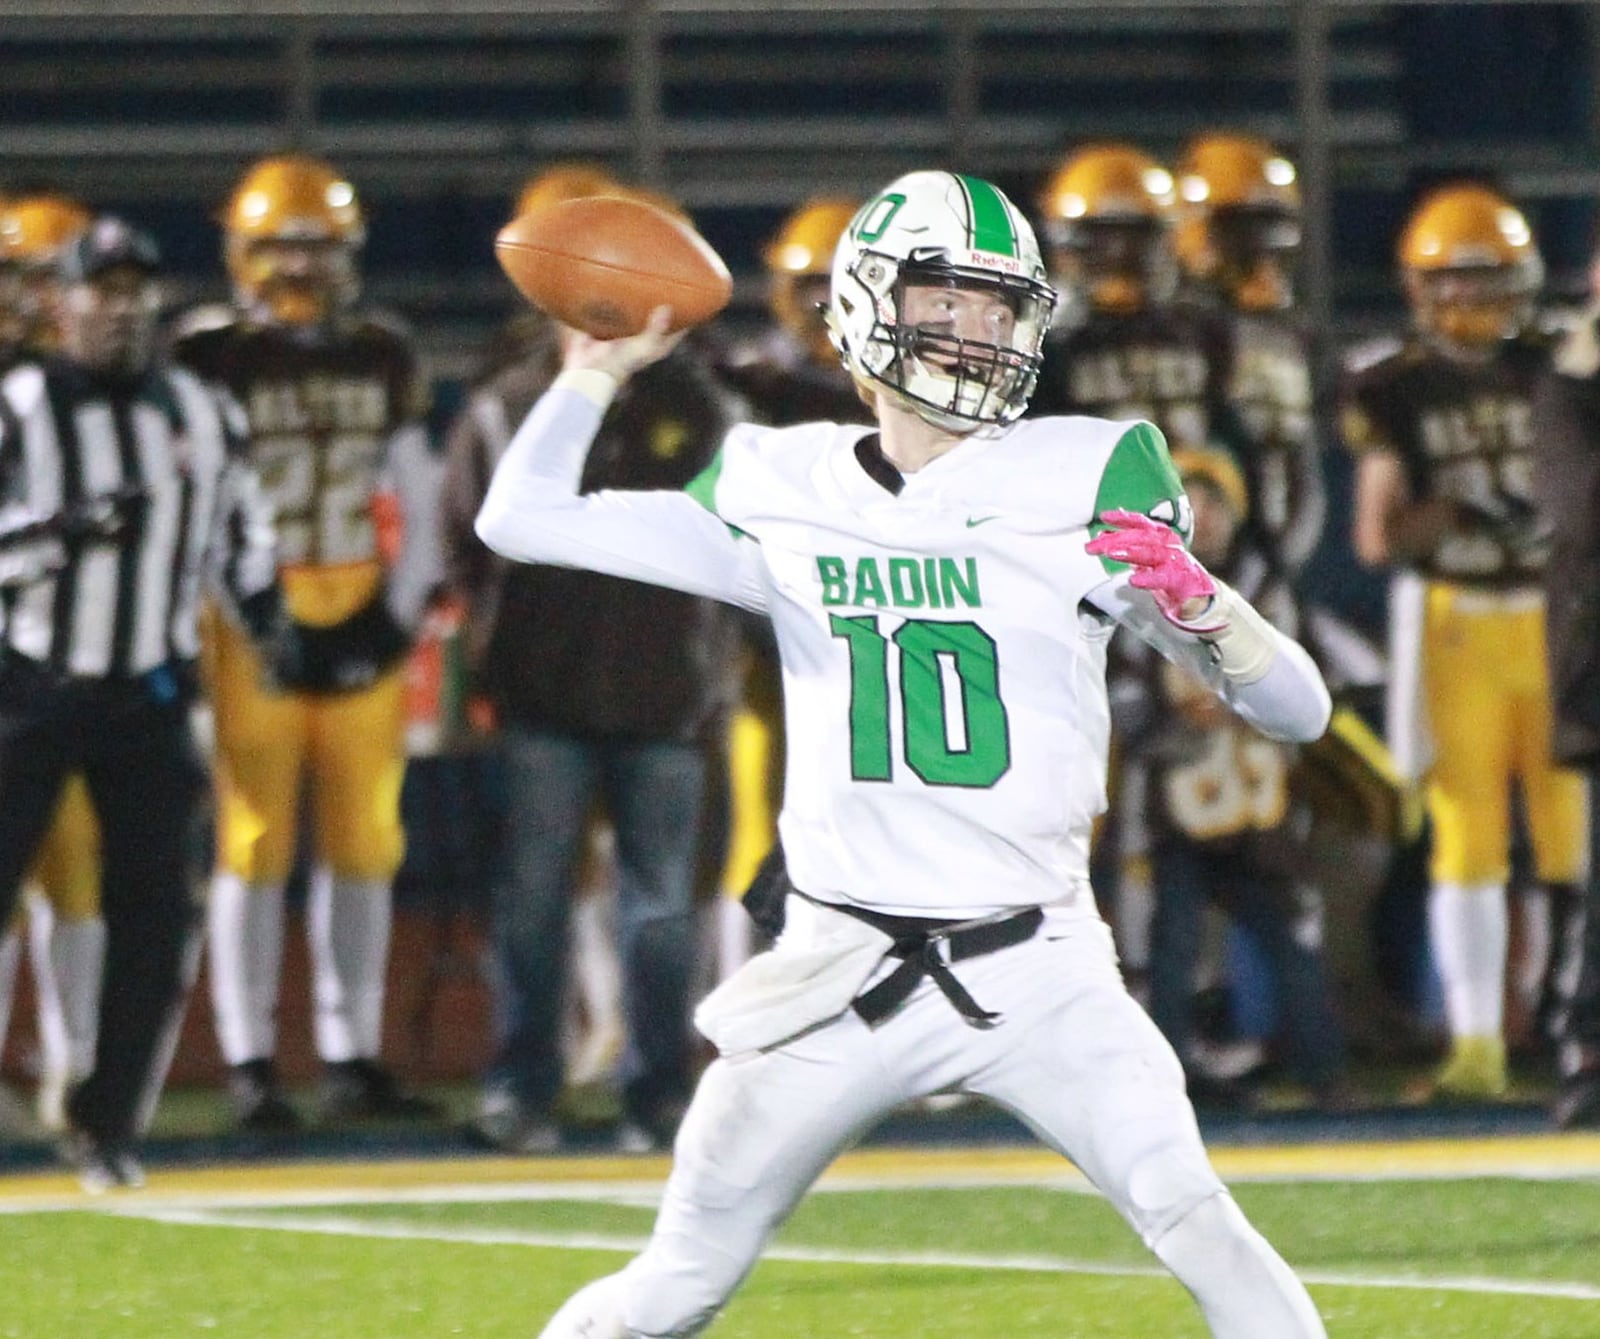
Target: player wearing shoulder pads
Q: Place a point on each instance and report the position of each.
(1442, 433)
(1123, 348)
(333, 400)
(942, 590)
(1237, 238)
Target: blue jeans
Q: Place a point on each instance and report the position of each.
(653, 793)
(1267, 903)
(453, 811)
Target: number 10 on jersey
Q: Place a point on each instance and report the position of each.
(953, 722)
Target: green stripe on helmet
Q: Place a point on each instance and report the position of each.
(990, 219)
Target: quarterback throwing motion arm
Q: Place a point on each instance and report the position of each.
(533, 513)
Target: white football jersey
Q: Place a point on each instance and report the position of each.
(943, 647)
(944, 689)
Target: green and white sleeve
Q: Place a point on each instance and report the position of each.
(1139, 477)
(1264, 676)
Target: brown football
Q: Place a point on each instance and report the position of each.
(602, 263)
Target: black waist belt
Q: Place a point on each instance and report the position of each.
(917, 942)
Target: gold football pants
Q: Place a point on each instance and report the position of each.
(66, 868)
(1488, 697)
(348, 747)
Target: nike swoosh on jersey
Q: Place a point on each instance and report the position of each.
(980, 520)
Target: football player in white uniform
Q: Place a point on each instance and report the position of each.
(942, 590)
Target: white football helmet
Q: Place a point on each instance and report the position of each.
(937, 227)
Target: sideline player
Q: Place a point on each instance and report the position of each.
(943, 589)
(1123, 346)
(1442, 431)
(333, 399)
(1238, 238)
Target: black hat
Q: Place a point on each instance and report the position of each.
(105, 244)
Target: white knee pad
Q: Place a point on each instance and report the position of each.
(1242, 1285)
(593, 1312)
(1163, 1186)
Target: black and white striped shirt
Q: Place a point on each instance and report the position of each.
(124, 605)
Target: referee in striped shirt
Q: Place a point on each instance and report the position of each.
(134, 472)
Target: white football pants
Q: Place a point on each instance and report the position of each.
(1074, 1057)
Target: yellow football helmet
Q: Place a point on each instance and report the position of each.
(1217, 467)
(33, 229)
(1107, 213)
(563, 181)
(1239, 220)
(293, 227)
(1215, 529)
(1471, 267)
(799, 261)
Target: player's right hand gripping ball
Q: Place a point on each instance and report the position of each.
(602, 263)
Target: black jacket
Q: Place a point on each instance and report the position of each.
(1566, 416)
(580, 652)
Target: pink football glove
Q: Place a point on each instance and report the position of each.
(1161, 564)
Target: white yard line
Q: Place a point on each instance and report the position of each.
(332, 1225)
(646, 1193)
(638, 1194)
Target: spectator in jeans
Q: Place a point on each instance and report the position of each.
(598, 688)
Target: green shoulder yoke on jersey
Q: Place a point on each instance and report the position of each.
(1139, 477)
(703, 489)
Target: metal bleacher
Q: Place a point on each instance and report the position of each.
(739, 109)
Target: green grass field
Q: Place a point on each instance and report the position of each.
(1397, 1242)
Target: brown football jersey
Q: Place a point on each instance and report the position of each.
(322, 406)
(1462, 431)
(1171, 366)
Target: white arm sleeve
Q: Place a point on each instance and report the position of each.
(1281, 692)
(533, 512)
